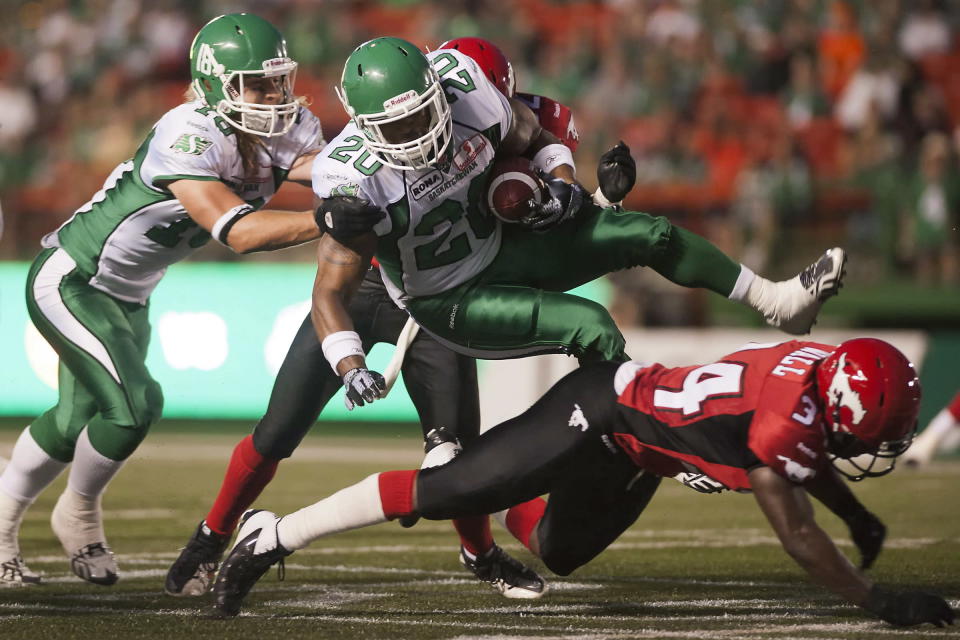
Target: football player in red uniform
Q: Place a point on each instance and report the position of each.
(941, 435)
(769, 418)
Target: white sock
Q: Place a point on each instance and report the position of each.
(356, 506)
(742, 286)
(501, 517)
(91, 471)
(926, 444)
(29, 471)
(11, 515)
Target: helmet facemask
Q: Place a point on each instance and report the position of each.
(849, 458)
(424, 150)
(267, 120)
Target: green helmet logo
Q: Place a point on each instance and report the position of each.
(393, 94)
(226, 54)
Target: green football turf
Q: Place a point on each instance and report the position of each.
(694, 566)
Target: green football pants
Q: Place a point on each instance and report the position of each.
(516, 307)
(102, 342)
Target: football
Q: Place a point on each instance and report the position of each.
(513, 182)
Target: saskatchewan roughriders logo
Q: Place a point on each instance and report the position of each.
(191, 143)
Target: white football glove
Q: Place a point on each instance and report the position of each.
(362, 386)
(699, 482)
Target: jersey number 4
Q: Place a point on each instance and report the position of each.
(716, 380)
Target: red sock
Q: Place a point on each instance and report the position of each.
(247, 474)
(396, 492)
(523, 518)
(475, 534)
(954, 407)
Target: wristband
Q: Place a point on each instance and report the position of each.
(225, 222)
(552, 156)
(601, 200)
(340, 345)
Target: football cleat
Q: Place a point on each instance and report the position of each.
(507, 575)
(192, 573)
(77, 522)
(256, 550)
(95, 563)
(800, 298)
(440, 447)
(15, 573)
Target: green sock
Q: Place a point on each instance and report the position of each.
(692, 261)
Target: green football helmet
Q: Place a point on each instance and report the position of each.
(236, 47)
(393, 94)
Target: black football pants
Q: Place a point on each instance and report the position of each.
(441, 383)
(561, 447)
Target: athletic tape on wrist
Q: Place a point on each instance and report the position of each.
(221, 228)
(340, 345)
(552, 156)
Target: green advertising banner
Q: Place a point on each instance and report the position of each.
(220, 332)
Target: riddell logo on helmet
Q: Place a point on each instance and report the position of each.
(276, 64)
(400, 100)
(841, 394)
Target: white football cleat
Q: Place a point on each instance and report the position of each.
(799, 299)
(15, 573)
(77, 521)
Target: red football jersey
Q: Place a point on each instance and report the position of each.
(554, 117)
(754, 407)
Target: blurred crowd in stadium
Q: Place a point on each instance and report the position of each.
(768, 125)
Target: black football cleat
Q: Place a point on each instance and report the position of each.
(256, 550)
(507, 575)
(440, 447)
(192, 573)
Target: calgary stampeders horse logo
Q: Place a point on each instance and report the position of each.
(841, 394)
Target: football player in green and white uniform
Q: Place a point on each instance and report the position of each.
(206, 169)
(425, 130)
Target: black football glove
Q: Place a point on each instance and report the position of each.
(616, 173)
(908, 608)
(868, 533)
(563, 201)
(345, 217)
(362, 386)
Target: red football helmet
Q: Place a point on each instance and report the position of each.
(871, 397)
(490, 59)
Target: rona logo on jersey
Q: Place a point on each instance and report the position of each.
(191, 143)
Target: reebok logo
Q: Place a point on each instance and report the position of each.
(453, 315)
(577, 419)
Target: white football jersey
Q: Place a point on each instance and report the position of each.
(127, 235)
(438, 232)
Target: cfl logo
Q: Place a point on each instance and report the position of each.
(207, 62)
